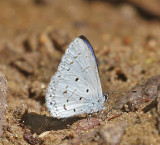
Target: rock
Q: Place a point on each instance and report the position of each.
(149, 7)
(111, 134)
(158, 109)
(45, 44)
(3, 103)
(37, 91)
(27, 64)
(139, 95)
(88, 123)
(43, 2)
(59, 39)
(31, 43)
(29, 138)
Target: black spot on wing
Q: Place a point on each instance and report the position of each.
(68, 69)
(72, 62)
(64, 92)
(87, 90)
(76, 79)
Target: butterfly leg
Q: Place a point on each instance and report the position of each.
(88, 118)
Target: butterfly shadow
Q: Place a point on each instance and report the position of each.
(40, 123)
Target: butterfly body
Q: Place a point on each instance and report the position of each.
(75, 88)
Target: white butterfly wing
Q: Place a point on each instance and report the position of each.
(75, 88)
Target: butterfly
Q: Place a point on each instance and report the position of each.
(75, 88)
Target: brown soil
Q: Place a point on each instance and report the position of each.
(33, 37)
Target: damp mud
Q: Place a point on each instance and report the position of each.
(126, 39)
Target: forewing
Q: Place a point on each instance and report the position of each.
(78, 59)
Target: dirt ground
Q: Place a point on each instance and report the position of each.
(33, 37)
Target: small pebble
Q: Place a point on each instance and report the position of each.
(111, 134)
(88, 123)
